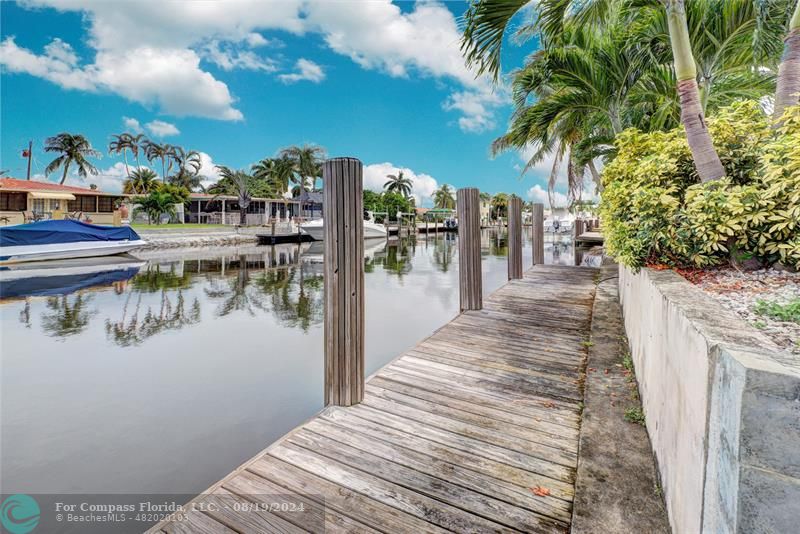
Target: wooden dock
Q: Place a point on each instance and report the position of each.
(475, 429)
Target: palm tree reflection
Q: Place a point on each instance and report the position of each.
(68, 315)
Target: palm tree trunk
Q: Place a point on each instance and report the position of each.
(789, 71)
(125, 157)
(706, 160)
(242, 216)
(66, 170)
(595, 176)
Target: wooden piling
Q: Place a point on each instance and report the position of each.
(469, 248)
(344, 281)
(538, 234)
(514, 238)
(579, 228)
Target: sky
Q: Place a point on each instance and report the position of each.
(237, 81)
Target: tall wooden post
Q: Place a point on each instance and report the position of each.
(579, 228)
(469, 248)
(514, 238)
(538, 234)
(344, 281)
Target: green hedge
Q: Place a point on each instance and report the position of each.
(655, 211)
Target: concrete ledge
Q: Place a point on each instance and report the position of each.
(722, 404)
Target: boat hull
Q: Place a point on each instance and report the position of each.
(62, 251)
(317, 231)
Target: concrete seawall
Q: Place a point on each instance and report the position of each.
(722, 404)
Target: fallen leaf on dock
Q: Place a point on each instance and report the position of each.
(540, 491)
(549, 404)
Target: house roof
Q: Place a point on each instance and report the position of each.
(13, 184)
(209, 196)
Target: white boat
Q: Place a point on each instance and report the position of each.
(59, 240)
(316, 229)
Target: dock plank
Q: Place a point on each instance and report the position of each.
(453, 435)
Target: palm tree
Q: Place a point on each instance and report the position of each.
(443, 197)
(236, 183)
(156, 204)
(307, 163)
(276, 171)
(399, 184)
(500, 205)
(188, 168)
(142, 181)
(120, 144)
(71, 149)
(789, 72)
(166, 153)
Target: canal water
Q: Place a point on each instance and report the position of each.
(164, 374)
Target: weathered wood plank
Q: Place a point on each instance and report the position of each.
(454, 435)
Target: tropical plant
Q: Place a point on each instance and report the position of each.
(140, 182)
(443, 197)
(121, 144)
(499, 205)
(655, 211)
(398, 183)
(239, 184)
(165, 152)
(788, 91)
(277, 172)
(306, 164)
(188, 173)
(71, 148)
(605, 65)
(156, 204)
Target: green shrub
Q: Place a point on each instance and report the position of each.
(655, 211)
(789, 312)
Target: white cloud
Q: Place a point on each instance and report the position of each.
(539, 194)
(150, 51)
(132, 124)
(208, 170)
(161, 129)
(228, 57)
(305, 70)
(423, 185)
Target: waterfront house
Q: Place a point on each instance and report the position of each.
(205, 208)
(24, 201)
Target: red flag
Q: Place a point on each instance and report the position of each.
(25, 153)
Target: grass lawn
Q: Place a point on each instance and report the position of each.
(173, 226)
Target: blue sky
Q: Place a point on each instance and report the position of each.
(238, 81)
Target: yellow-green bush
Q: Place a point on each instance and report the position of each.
(655, 211)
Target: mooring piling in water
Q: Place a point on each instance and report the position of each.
(344, 281)
(470, 283)
(538, 233)
(514, 238)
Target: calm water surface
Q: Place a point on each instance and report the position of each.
(166, 374)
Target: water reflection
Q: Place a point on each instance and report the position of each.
(227, 341)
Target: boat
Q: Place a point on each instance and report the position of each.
(316, 229)
(62, 277)
(64, 239)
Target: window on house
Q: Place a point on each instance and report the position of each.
(105, 204)
(88, 203)
(38, 205)
(13, 201)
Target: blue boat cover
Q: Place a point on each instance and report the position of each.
(51, 232)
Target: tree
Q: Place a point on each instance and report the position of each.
(500, 205)
(306, 164)
(166, 153)
(398, 184)
(71, 149)
(732, 39)
(789, 72)
(277, 172)
(120, 144)
(189, 164)
(140, 182)
(156, 204)
(238, 183)
(443, 197)
(394, 202)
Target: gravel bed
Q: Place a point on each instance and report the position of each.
(742, 291)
